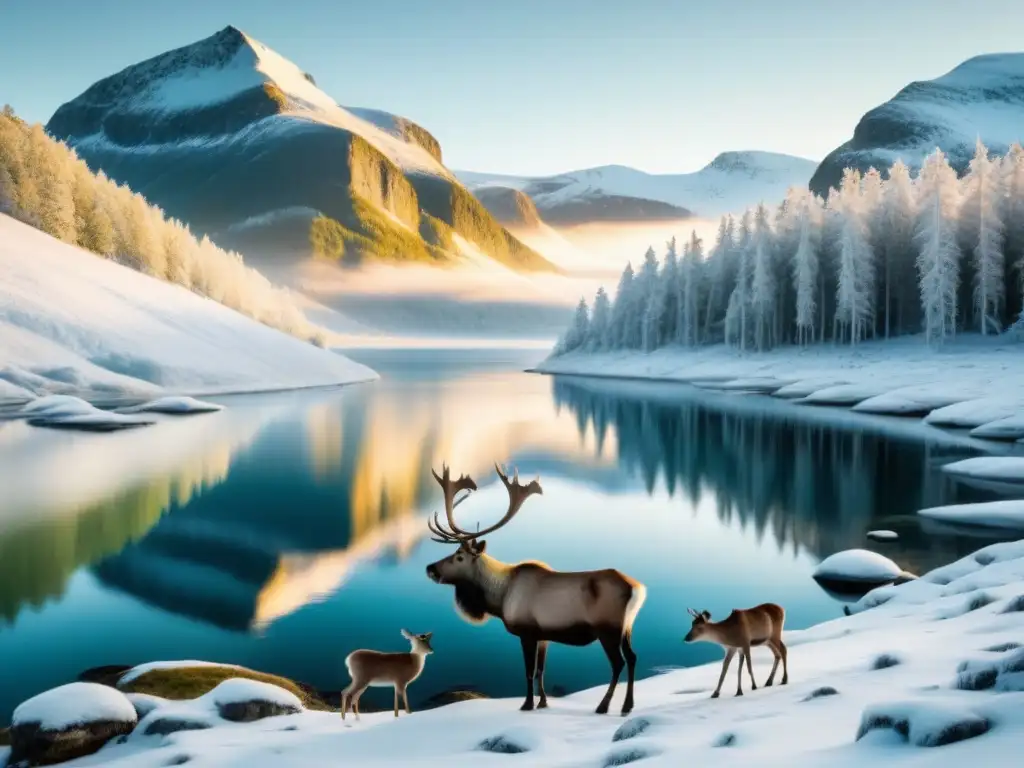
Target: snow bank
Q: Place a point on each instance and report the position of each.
(857, 565)
(68, 412)
(1008, 428)
(883, 535)
(991, 514)
(141, 669)
(894, 377)
(1000, 468)
(72, 323)
(238, 691)
(72, 704)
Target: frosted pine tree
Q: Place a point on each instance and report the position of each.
(600, 322)
(690, 289)
(855, 291)
(898, 251)
(1011, 171)
(939, 254)
(715, 269)
(739, 299)
(672, 293)
(806, 267)
(762, 284)
(652, 302)
(624, 318)
(981, 229)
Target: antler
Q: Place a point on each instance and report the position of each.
(449, 488)
(517, 494)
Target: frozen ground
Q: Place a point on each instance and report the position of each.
(967, 383)
(932, 661)
(72, 323)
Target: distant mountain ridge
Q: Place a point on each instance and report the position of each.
(731, 182)
(982, 97)
(226, 131)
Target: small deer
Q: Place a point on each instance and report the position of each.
(740, 631)
(374, 668)
(537, 604)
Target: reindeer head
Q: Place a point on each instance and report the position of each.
(463, 564)
(699, 627)
(420, 643)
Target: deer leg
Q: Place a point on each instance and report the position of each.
(355, 700)
(396, 701)
(739, 677)
(346, 698)
(775, 651)
(405, 699)
(627, 651)
(530, 660)
(610, 643)
(750, 668)
(725, 668)
(542, 657)
(785, 665)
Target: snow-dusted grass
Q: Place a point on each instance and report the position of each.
(858, 565)
(74, 703)
(967, 383)
(72, 323)
(1008, 513)
(141, 669)
(926, 673)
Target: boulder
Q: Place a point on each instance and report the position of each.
(68, 722)
(243, 701)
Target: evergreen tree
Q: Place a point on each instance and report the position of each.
(600, 323)
(670, 285)
(624, 312)
(805, 269)
(898, 250)
(716, 274)
(855, 292)
(939, 255)
(762, 285)
(981, 230)
(652, 300)
(690, 285)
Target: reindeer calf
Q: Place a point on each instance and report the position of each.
(739, 631)
(374, 668)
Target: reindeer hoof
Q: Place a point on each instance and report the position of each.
(542, 704)
(602, 708)
(527, 706)
(739, 693)
(715, 695)
(753, 687)
(626, 709)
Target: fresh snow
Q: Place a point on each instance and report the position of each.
(883, 535)
(67, 411)
(931, 658)
(857, 565)
(240, 690)
(1007, 428)
(732, 182)
(998, 468)
(72, 704)
(72, 323)
(141, 669)
(991, 514)
(894, 377)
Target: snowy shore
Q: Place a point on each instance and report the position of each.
(930, 672)
(969, 383)
(73, 323)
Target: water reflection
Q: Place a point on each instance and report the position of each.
(782, 469)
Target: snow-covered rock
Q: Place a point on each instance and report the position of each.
(138, 671)
(982, 97)
(1008, 428)
(175, 405)
(973, 413)
(999, 468)
(857, 565)
(69, 412)
(74, 324)
(243, 701)
(67, 722)
(883, 535)
(145, 703)
(1008, 513)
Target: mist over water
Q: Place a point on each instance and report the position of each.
(289, 529)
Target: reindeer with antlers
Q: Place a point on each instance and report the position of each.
(536, 603)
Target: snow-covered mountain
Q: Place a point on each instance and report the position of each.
(225, 132)
(731, 182)
(74, 323)
(981, 98)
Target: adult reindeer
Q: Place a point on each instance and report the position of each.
(537, 604)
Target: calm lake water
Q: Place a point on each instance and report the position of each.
(289, 529)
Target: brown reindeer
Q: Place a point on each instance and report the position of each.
(537, 604)
(740, 631)
(374, 668)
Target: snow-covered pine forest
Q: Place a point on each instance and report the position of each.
(883, 256)
(46, 185)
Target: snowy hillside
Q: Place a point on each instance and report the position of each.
(225, 130)
(926, 673)
(73, 322)
(981, 98)
(730, 183)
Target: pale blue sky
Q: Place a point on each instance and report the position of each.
(542, 86)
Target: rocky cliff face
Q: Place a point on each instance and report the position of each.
(982, 97)
(226, 134)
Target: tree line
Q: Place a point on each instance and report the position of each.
(880, 257)
(45, 184)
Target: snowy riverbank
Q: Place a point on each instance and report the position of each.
(967, 383)
(73, 323)
(932, 661)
